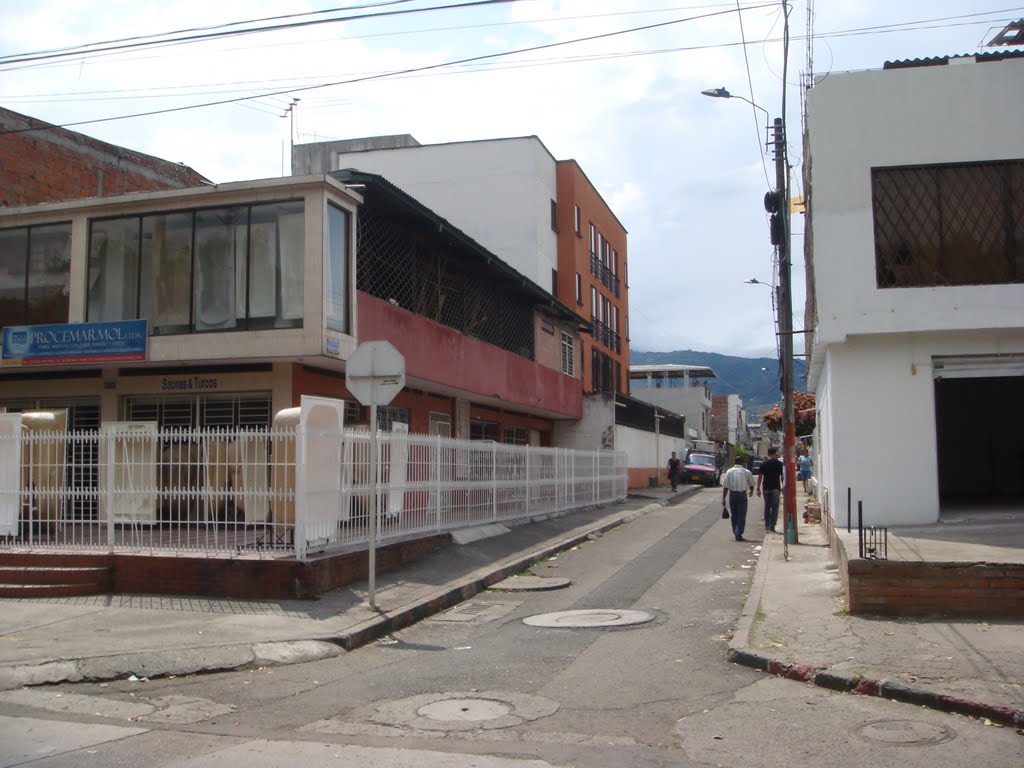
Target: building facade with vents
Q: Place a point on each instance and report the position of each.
(915, 268)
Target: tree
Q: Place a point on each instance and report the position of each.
(804, 414)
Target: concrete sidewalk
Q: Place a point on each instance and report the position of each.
(108, 637)
(794, 623)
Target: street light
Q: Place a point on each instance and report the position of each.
(755, 281)
(776, 203)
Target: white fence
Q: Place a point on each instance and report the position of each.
(295, 491)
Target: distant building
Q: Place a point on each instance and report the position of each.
(682, 389)
(915, 269)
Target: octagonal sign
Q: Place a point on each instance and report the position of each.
(375, 373)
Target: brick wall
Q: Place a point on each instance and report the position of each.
(237, 578)
(895, 588)
(885, 587)
(40, 163)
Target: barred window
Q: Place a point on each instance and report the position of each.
(512, 435)
(957, 224)
(568, 355)
(411, 266)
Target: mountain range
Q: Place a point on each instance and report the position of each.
(754, 379)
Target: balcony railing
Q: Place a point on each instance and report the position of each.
(608, 278)
(605, 335)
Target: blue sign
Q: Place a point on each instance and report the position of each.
(113, 342)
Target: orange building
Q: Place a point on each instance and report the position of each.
(592, 277)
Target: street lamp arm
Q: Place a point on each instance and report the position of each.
(722, 93)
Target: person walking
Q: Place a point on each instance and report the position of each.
(770, 478)
(673, 471)
(737, 486)
(804, 465)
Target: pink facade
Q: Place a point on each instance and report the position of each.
(441, 355)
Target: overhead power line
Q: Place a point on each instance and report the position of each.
(384, 75)
(94, 48)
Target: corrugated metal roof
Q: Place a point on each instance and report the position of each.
(940, 61)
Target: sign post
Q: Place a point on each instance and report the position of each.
(374, 374)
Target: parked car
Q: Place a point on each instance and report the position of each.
(755, 467)
(701, 468)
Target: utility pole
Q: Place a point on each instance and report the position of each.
(778, 205)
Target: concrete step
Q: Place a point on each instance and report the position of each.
(54, 580)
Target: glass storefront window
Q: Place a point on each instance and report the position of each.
(336, 270)
(238, 267)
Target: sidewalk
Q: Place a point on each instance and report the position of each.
(107, 637)
(793, 623)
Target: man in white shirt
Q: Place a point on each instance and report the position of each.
(738, 486)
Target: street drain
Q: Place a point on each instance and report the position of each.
(904, 733)
(591, 617)
(463, 711)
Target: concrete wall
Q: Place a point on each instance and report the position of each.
(915, 116)
(691, 402)
(872, 362)
(876, 421)
(498, 192)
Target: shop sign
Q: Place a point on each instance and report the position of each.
(189, 383)
(117, 341)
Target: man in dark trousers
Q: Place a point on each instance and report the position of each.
(770, 479)
(673, 471)
(737, 486)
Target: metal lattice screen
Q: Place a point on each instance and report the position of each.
(939, 225)
(403, 262)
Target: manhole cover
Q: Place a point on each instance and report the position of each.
(592, 617)
(904, 733)
(516, 583)
(465, 710)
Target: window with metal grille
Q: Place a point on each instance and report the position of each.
(483, 430)
(512, 435)
(440, 424)
(388, 415)
(568, 355)
(207, 412)
(408, 264)
(957, 224)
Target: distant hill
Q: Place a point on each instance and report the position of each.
(754, 379)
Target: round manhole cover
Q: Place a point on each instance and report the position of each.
(592, 617)
(904, 733)
(465, 710)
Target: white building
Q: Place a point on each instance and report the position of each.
(915, 265)
(499, 192)
(679, 388)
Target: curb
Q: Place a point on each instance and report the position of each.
(739, 652)
(235, 656)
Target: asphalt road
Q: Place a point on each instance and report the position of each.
(477, 686)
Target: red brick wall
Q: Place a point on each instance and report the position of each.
(895, 588)
(40, 163)
(891, 588)
(238, 578)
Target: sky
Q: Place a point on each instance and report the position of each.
(613, 84)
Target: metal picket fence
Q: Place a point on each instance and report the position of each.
(280, 492)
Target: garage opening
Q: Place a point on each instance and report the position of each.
(980, 432)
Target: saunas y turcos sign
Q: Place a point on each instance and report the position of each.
(117, 341)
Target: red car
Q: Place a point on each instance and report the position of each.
(700, 468)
